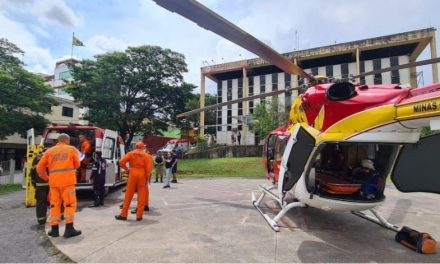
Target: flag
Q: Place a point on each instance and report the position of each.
(76, 42)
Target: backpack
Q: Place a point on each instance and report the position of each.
(159, 159)
(415, 240)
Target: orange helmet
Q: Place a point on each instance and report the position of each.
(140, 145)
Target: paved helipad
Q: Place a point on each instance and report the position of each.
(204, 220)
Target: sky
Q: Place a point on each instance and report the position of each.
(43, 28)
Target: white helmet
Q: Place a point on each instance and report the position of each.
(366, 163)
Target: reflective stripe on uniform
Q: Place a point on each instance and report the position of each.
(41, 184)
(62, 170)
(42, 218)
(54, 218)
(68, 217)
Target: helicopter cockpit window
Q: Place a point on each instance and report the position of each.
(352, 171)
(271, 152)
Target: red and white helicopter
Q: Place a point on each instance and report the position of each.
(343, 140)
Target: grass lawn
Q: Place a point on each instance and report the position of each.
(6, 188)
(221, 167)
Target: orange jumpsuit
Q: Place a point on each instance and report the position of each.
(141, 165)
(61, 161)
(86, 148)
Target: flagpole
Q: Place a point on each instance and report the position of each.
(71, 51)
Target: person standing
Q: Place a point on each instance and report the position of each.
(41, 191)
(239, 138)
(168, 168)
(141, 165)
(86, 150)
(147, 193)
(159, 164)
(61, 162)
(174, 158)
(98, 178)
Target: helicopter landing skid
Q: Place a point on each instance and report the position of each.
(284, 206)
(377, 219)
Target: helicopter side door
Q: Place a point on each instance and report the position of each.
(417, 166)
(298, 150)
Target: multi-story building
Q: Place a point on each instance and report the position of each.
(254, 76)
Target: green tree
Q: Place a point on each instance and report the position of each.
(134, 92)
(267, 117)
(24, 98)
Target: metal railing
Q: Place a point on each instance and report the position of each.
(7, 171)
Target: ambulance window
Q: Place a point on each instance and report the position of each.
(108, 148)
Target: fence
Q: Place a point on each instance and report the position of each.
(7, 172)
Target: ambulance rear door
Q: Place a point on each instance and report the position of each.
(109, 148)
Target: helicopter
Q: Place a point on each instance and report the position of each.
(343, 139)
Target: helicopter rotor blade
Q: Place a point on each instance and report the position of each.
(244, 99)
(399, 67)
(210, 20)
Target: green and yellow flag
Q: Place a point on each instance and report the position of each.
(76, 42)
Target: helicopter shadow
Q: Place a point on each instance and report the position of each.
(342, 237)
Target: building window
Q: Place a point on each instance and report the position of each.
(219, 92)
(344, 70)
(315, 71)
(287, 80)
(240, 88)
(229, 128)
(329, 70)
(274, 81)
(395, 76)
(262, 84)
(377, 64)
(362, 70)
(240, 109)
(65, 75)
(67, 111)
(251, 107)
(251, 86)
(229, 90)
(240, 127)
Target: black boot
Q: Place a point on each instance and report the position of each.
(54, 232)
(146, 208)
(96, 203)
(155, 180)
(119, 217)
(101, 200)
(71, 231)
(134, 210)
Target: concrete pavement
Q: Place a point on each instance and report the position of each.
(203, 220)
(21, 239)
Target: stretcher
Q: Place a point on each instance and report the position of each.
(334, 185)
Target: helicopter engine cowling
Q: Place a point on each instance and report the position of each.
(341, 91)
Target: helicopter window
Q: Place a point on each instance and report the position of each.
(271, 152)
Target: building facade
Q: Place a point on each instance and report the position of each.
(252, 77)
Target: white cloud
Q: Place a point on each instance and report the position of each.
(101, 44)
(47, 12)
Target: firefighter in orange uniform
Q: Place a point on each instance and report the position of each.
(86, 149)
(147, 196)
(61, 161)
(138, 177)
